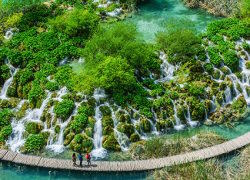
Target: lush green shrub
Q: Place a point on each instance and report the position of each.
(215, 58)
(231, 60)
(36, 94)
(239, 104)
(79, 123)
(110, 143)
(86, 108)
(5, 132)
(81, 143)
(5, 117)
(126, 128)
(52, 86)
(145, 125)
(180, 45)
(79, 22)
(196, 89)
(209, 67)
(105, 110)
(134, 137)
(33, 127)
(5, 73)
(64, 108)
(230, 27)
(34, 143)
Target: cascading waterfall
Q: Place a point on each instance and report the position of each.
(16, 140)
(167, 69)
(122, 138)
(98, 151)
(8, 82)
(58, 147)
(228, 95)
(189, 119)
(178, 125)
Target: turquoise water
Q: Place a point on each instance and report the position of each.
(15, 172)
(153, 14)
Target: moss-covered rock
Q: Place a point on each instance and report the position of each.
(105, 110)
(64, 109)
(123, 117)
(68, 138)
(126, 128)
(33, 127)
(134, 137)
(239, 105)
(34, 143)
(81, 143)
(145, 125)
(57, 129)
(110, 143)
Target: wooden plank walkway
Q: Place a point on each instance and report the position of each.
(141, 165)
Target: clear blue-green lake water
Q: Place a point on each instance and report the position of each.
(152, 16)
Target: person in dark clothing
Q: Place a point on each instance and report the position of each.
(74, 159)
(80, 158)
(88, 158)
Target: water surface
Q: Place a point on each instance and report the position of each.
(153, 14)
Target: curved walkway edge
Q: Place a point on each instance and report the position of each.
(125, 166)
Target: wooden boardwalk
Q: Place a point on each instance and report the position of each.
(141, 165)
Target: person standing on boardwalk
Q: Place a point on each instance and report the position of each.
(80, 158)
(88, 158)
(74, 159)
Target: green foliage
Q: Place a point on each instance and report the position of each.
(5, 117)
(33, 128)
(78, 22)
(81, 143)
(86, 108)
(34, 143)
(79, 123)
(231, 60)
(209, 67)
(230, 27)
(64, 108)
(110, 143)
(196, 89)
(126, 128)
(180, 45)
(64, 76)
(5, 132)
(239, 104)
(5, 73)
(52, 86)
(215, 58)
(36, 94)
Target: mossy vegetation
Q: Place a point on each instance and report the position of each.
(183, 78)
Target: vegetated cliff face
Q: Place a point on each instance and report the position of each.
(217, 7)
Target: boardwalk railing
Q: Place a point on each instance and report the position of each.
(141, 165)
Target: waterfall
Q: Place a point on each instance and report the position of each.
(178, 125)
(167, 69)
(9, 34)
(13, 71)
(58, 147)
(98, 152)
(228, 95)
(213, 108)
(154, 130)
(16, 139)
(122, 138)
(189, 119)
